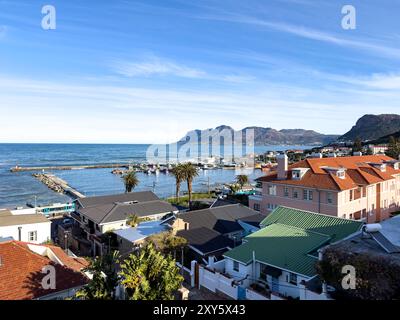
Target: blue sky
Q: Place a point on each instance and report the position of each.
(149, 71)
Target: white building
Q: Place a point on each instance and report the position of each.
(34, 228)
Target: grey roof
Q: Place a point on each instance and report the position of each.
(223, 202)
(141, 196)
(206, 240)
(120, 211)
(221, 219)
(254, 220)
(9, 219)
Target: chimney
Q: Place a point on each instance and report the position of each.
(282, 160)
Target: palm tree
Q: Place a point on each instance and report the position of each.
(133, 220)
(242, 180)
(130, 181)
(189, 173)
(177, 172)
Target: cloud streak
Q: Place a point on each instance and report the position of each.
(308, 33)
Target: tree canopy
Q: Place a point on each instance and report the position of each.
(104, 278)
(130, 180)
(149, 275)
(393, 150)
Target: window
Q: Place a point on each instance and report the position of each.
(32, 235)
(351, 195)
(295, 194)
(272, 190)
(256, 206)
(235, 266)
(307, 195)
(329, 197)
(286, 192)
(293, 278)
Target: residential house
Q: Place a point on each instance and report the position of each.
(280, 258)
(131, 238)
(21, 272)
(211, 232)
(98, 215)
(363, 188)
(378, 247)
(377, 149)
(34, 228)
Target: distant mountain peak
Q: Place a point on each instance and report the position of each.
(371, 127)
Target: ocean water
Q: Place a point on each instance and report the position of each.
(17, 189)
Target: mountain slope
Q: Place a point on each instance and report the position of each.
(270, 136)
(371, 127)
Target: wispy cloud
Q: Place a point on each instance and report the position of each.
(156, 66)
(308, 33)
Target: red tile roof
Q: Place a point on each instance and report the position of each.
(21, 276)
(359, 171)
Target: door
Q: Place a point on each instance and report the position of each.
(241, 293)
(275, 284)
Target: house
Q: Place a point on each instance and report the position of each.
(21, 272)
(130, 238)
(211, 232)
(34, 228)
(363, 188)
(280, 258)
(374, 250)
(98, 215)
(377, 149)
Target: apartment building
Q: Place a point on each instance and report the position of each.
(363, 188)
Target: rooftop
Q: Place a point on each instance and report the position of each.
(141, 196)
(142, 231)
(290, 237)
(9, 219)
(21, 270)
(359, 171)
(120, 211)
(206, 240)
(222, 219)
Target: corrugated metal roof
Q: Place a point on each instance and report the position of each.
(336, 228)
(288, 238)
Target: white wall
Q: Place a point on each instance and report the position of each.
(43, 231)
(241, 274)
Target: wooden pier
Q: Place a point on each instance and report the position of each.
(53, 168)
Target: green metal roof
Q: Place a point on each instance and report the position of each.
(336, 228)
(289, 236)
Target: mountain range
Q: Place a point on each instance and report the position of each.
(270, 136)
(372, 128)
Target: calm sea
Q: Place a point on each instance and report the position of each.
(17, 189)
